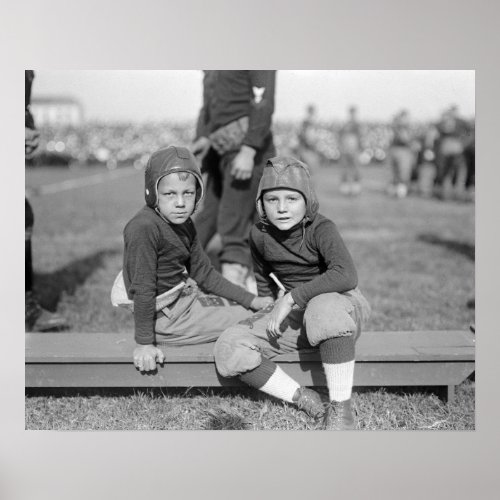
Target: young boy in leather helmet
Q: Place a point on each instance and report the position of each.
(319, 304)
(164, 264)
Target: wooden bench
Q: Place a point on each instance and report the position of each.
(422, 358)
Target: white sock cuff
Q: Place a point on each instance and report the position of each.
(280, 385)
(339, 378)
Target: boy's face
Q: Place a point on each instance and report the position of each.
(284, 207)
(176, 198)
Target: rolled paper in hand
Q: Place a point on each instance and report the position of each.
(277, 281)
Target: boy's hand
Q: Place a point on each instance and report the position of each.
(282, 308)
(261, 303)
(243, 163)
(200, 147)
(146, 356)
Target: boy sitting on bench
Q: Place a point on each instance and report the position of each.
(164, 264)
(319, 305)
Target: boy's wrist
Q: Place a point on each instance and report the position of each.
(248, 150)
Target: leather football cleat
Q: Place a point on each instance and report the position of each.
(339, 416)
(309, 401)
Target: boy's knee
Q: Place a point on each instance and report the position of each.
(333, 315)
(235, 353)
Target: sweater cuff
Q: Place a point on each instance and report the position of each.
(143, 340)
(296, 296)
(247, 300)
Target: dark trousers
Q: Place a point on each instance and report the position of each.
(28, 229)
(229, 204)
(470, 161)
(449, 166)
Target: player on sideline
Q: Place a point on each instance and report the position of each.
(321, 307)
(164, 265)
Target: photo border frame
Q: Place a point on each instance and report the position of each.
(277, 34)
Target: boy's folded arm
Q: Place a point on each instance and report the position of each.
(340, 275)
(333, 280)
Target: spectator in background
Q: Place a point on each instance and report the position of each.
(350, 149)
(37, 319)
(470, 162)
(307, 150)
(234, 141)
(453, 134)
(401, 156)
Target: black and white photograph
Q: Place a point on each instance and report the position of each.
(262, 250)
(259, 260)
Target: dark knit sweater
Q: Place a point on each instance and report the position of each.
(230, 95)
(156, 256)
(310, 259)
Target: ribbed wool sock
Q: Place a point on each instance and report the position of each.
(280, 385)
(268, 377)
(339, 379)
(337, 355)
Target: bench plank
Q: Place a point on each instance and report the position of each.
(205, 375)
(371, 346)
(424, 358)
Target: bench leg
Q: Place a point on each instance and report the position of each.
(450, 394)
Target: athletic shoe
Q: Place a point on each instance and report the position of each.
(309, 401)
(38, 319)
(339, 416)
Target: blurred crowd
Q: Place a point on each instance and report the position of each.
(116, 144)
(436, 165)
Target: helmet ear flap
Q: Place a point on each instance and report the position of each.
(261, 211)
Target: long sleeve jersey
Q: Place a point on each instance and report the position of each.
(230, 95)
(156, 257)
(309, 260)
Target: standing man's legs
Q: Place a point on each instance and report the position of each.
(206, 220)
(36, 319)
(237, 213)
(28, 263)
(351, 177)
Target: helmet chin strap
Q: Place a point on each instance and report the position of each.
(157, 210)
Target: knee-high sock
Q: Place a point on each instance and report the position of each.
(337, 356)
(268, 377)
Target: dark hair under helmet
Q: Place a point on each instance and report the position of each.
(166, 161)
(287, 173)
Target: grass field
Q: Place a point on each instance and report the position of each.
(415, 260)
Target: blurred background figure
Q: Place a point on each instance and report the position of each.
(401, 155)
(233, 141)
(424, 168)
(453, 135)
(350, 149)
(307, 149)
(37, 319)
(470, 162)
